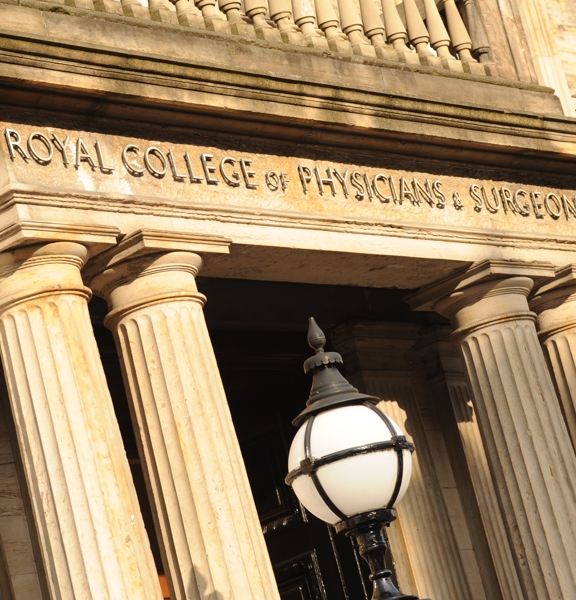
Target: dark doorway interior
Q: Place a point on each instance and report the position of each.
(258, 331)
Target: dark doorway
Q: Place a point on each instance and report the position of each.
(266, 389)
(258, 330)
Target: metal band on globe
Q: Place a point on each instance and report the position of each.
(405, 445)
(317, 484)
(310, 465)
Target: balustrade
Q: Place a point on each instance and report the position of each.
(328, 23)
(374, 29)
(448, 34)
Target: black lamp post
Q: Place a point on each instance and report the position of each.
(349, 463)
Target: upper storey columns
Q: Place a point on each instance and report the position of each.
(91, 535)
(209, 531)
(519, 416)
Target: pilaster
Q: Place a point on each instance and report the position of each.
(91, 534)
(524, 435)
(209, 531)
(555, 305)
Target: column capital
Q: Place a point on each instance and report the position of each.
(488, 292)
(34, 271)
(144, 242)
(563, 278)
(96, 238)
(490, 270)
(148, 267)
(553, 303)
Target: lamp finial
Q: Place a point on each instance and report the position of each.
(316, 337)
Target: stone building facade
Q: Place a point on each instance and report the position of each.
(181, 186)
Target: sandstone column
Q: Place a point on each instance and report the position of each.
(210, 535)
(525, 438)
(448, 385)
(92, 538)
(555, 304)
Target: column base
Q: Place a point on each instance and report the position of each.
(216, 24)
(163, 15)
(364, 49)
(268, 33)
(292, 37)
(452, 64)
(136, 11)
(108, 6)
(408, 57)
(473, 67)
(243, 29)
(337, 44)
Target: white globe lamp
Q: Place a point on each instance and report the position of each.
(349, 463)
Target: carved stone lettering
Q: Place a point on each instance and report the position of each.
(320, 185)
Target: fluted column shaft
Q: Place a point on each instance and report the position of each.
(92, 538)
(524, 435)
(448, 384)
(210, 536)
(555, 305)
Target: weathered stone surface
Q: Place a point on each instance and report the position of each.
(123, 80)
(378, 110)
(261, 196)
(522, 428)
(294, 69)
(551, 31)
(206, 519)
(89, 526)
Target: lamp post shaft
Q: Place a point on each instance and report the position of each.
(367, 530)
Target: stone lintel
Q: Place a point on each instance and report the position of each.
(152, 241)
(362, 330)
(480, 272)
(375, 346)
(96, 238)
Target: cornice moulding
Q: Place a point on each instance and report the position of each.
(506, 116)
(21, 194)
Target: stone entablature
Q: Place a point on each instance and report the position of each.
(284, 197)
(137, 166)
(306, 167)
